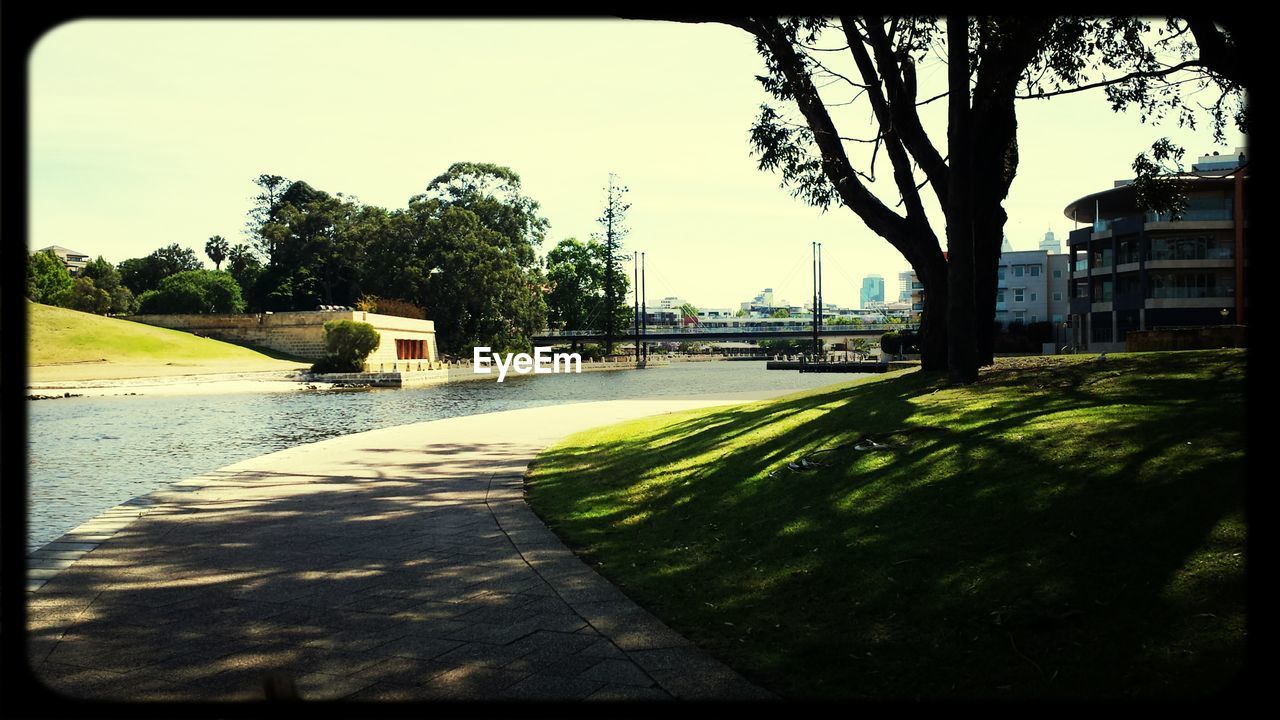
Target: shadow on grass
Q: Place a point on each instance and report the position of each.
(1075, 529)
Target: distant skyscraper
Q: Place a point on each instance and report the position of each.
(904, 285)
(872, 290)
(1005, 245)
(1050, 244)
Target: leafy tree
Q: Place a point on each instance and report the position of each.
(687, 310)
(494, 194)
(216, 248)
(143, 274)
(194, 291)
(123, 301)
(478, 295)
(47, 277)
(576, 274)
(347, 344)
(84, 296)
(106, 278)
(740, 313)
(989, 60)
(781, 313)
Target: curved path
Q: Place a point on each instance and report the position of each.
(395, 564)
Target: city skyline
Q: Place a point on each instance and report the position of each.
(152, 131)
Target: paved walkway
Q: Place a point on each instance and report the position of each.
(396, 564)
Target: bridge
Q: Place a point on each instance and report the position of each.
(671, 333)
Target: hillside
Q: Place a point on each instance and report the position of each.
(66, 345)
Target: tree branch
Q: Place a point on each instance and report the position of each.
(1104, 83)
(900, 85)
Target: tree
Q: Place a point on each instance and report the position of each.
(143, 274)
(576, 274)
(243, 265)
(613, 221)
(84, 296)
(989, 59)
(107, 278)
(193, 291)
(262, 216)
(216, 248)
(781, 313)
(494, 194)
(478, 294)
(47, 277)
(688, 311)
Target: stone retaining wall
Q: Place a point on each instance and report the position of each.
(302, 333)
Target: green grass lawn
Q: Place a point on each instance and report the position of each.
(1062, 528)
(57, 336)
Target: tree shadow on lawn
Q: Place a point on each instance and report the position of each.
(1050, 543)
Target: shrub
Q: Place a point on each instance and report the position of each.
(891, 343)
(347, 344)
(390, 306)
(194, 291)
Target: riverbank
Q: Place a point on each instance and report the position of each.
(394, 564)
(1066, 527)
(195, 384)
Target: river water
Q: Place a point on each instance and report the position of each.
(88, 454)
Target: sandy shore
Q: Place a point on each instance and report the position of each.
(210, 384)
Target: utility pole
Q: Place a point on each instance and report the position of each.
(820, 308)
(814, 305)
(635, 286)
(644, 310)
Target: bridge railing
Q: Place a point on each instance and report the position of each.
(678, 330)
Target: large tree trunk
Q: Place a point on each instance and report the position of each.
(962, 349)
(988, 233)
(933, 318)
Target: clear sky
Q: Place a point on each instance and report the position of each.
(145, 133)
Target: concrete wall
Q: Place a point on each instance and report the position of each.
(301, 333)
(1196, 338)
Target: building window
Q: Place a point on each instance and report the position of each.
(1190, 285)
(1102, 290)
(1019, 270)
(411, 349)
(1020, 315)
(1101, 258)
(1190, 247)
(1000, 272)
(1082, 290)
(1033, 297)
(999, 296)
(1057, 273)
(1017, 294)
(1035, 318)
(1035, 270)
(1057, 297)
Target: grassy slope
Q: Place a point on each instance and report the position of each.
(1063, 527)
(61, 337)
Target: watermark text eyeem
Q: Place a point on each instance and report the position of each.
(542, 362)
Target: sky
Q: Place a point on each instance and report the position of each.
(146, 133)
